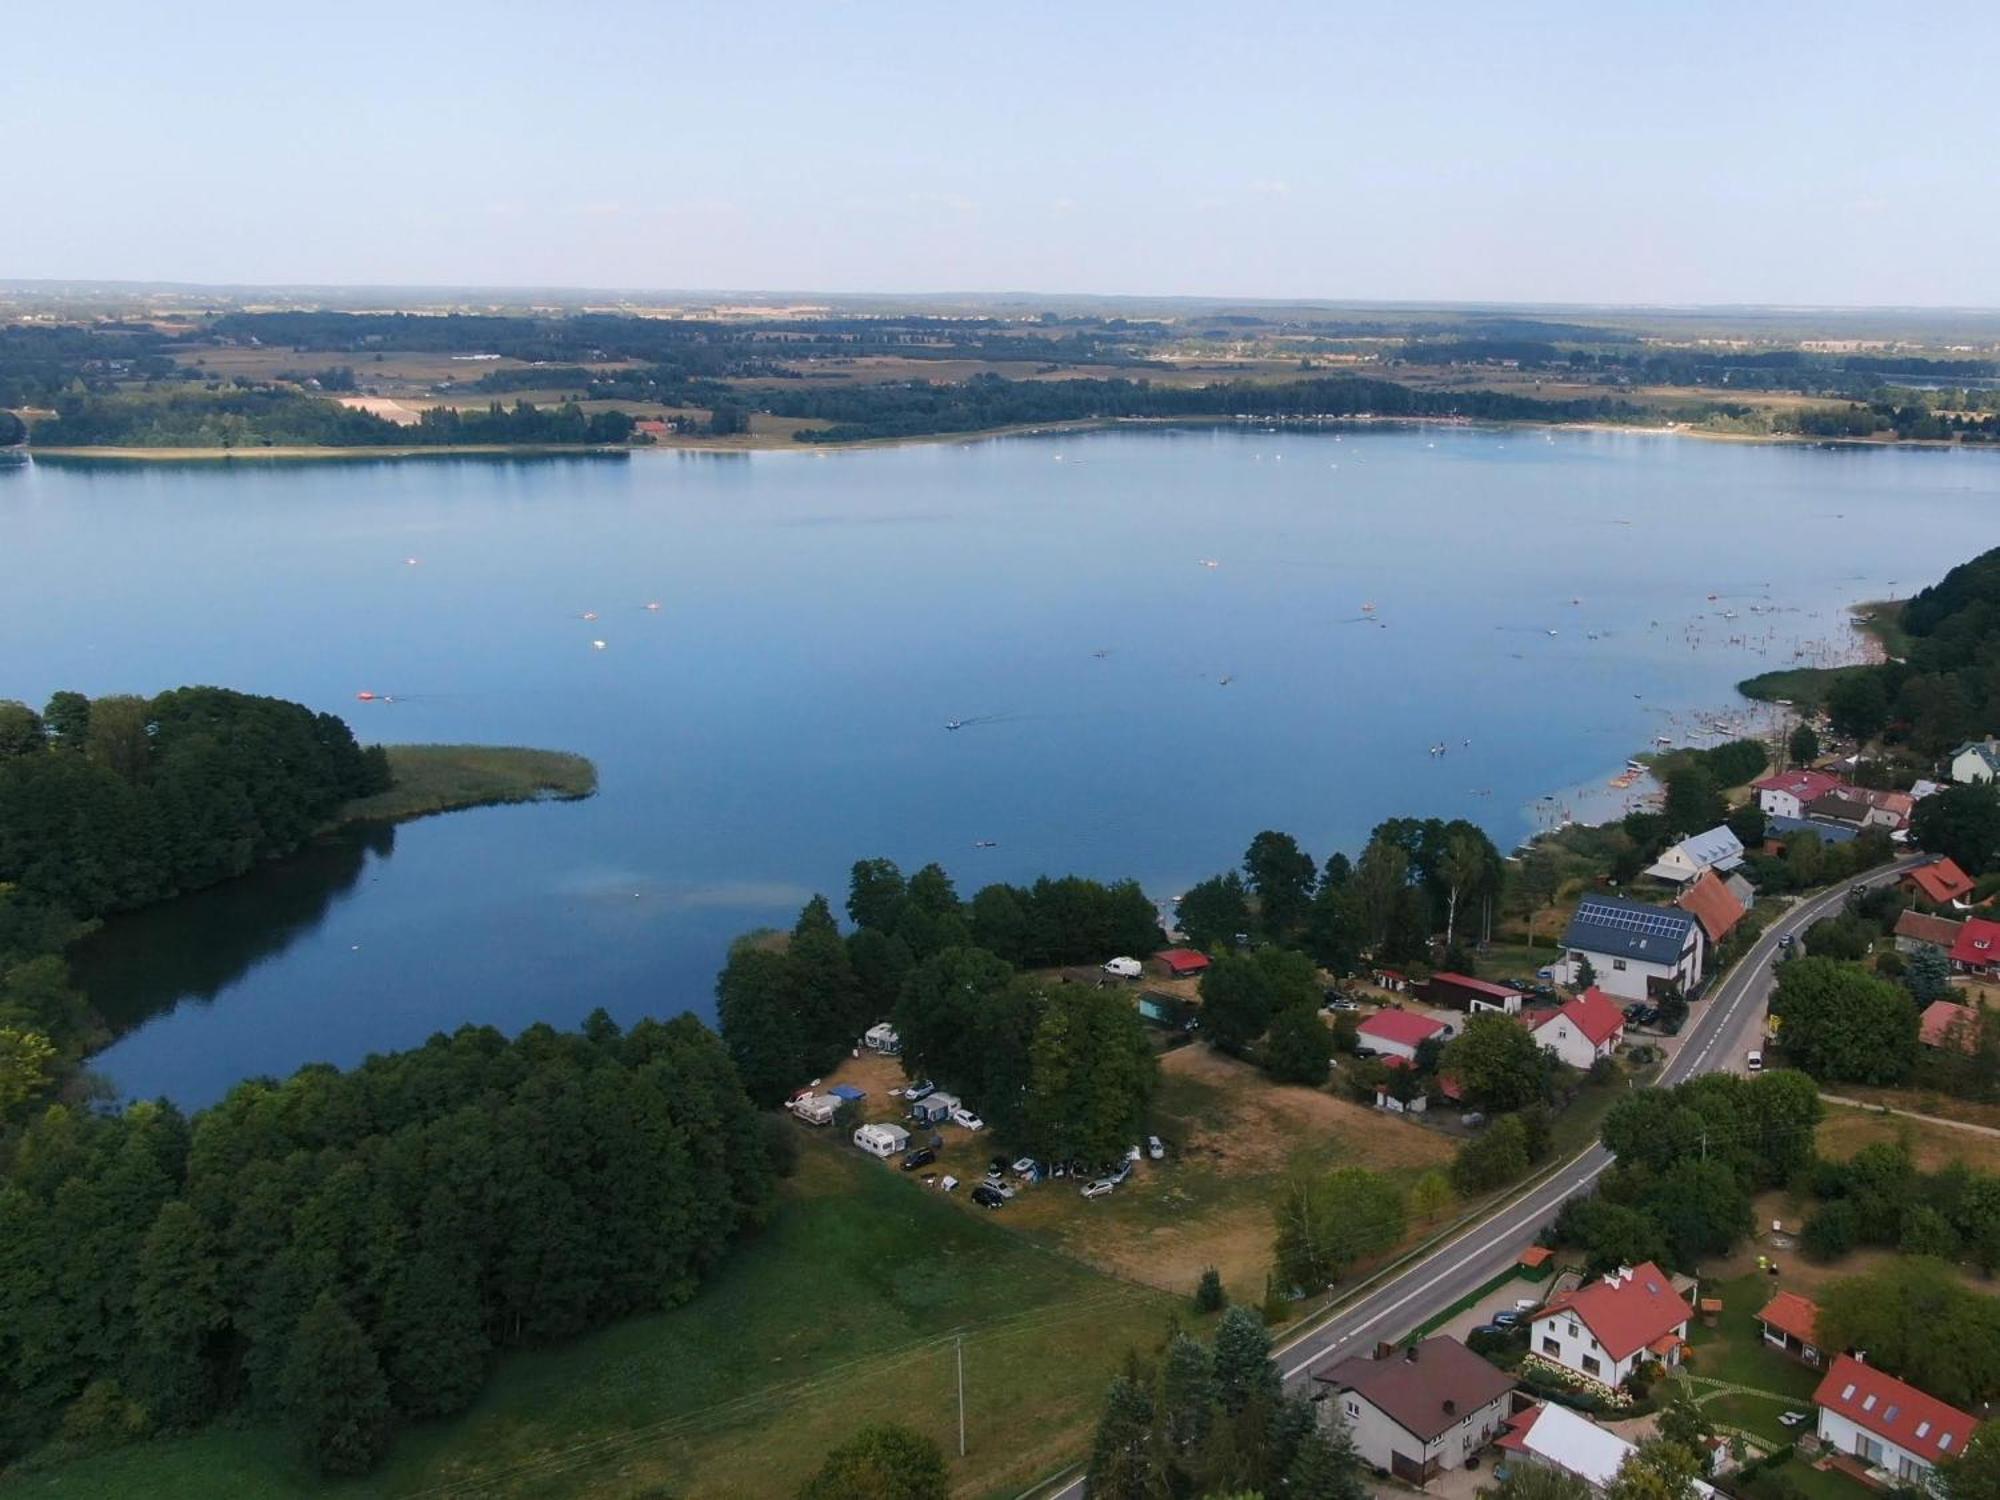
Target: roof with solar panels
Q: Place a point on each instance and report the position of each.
(1625, 928)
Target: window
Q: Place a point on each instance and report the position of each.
(1618, 964)
(1352, 1407)
(1550, 1346)
(1572, 1330)
(1868, 1402)
(1890, 1415)
(1944, 1442)
(1590, 1366)
(1923, 1429)
(1848, 1394)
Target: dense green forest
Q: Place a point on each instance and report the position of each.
(107, 804)
(346, 1252)
(285, 418)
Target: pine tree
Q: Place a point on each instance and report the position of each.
(829, 997)
(1122, 1461)
(1243, 1367)
(1325, 1467)
(1186, 1401)
(335, 1396)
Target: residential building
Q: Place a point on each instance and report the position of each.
(1778, 828)
(1977, 761)
(1585, 1029)
(1607, 1328)
(1182, 963)
(1714, 905)
(1915, 929)
(1791, 1323)
(1717, 849)
(1887, 1423)
(1418, 1410)
(1633, 949)
(1463, 992)
(1977, 950)
(1398, 1033)
(1940, 882)
(1861, 807)
(1945, 1023)
(1555, 1437)
(1786, 794)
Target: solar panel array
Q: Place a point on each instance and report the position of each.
(1652, 921)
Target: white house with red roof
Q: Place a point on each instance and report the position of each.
(1977, 950)
(1607, 1328)
(1888, 1423)
(1398, 1033)
(1585, 1029)
(1786, 794)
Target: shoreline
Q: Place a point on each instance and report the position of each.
(433, 779)
(293, 454)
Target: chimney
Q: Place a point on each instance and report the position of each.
(1624, 1273)
(1451, 1408)
(1383, 1351)
(1410, 1354)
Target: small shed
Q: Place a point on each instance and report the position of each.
(881, 1139)
(1537, 1262)
(1463, 992)
(1183, 963)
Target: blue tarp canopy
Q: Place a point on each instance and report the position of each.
(847, 1091)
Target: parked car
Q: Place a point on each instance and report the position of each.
(1785, 941)
(1098, 1188)
(1025, 1166)
(999, 1186)
(987, 1196)
(966, 1119)
(1491, 1330)
(1793, 1418)
(1472, 1119)
(1755, 1061)
(922, 1157)
(1155, 1147)
(920, 1090)
(1506, 1319)
(1335, 1000)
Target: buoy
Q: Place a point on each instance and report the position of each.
(597, 645)
(590, 614)
(366, 697)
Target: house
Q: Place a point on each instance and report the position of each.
(1778, 828)
(1977, 761)
(650, 427)
(1887, 1423)
(1862, 807)
(1786, 794)
(933, 1109)
(1420, 1410)
(1714, 905)
(1182, 963)
(1585, 1029)
(1915, 929)
(1791, 1323)
(1945, 1023)
(1555, 1437)
(882, 1140)
(1717, 849)
(815, 1109)
(1633, 949)
(1609, 1327)
(1385, 1096)
(881, 1037)
(1977, 950)
(1744, 892)
(1398, 1033)
(1463, 992)
(1395, 981)
(1940, 882)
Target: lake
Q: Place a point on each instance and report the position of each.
(1158, 642)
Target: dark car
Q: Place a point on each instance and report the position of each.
(1506, 1319)
(987, 1197)
(922, 1157)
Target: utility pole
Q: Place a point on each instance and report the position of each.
(959, 1344)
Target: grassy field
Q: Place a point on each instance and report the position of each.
(1845, 1131)
(843, 1311)
(440, 778)
(1735, 1353)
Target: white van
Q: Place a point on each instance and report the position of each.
(1754, 1062)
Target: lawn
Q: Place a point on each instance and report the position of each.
(843, 1311)
(1734, 1353)
(438, 778)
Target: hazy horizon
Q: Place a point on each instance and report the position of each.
(1559, 154)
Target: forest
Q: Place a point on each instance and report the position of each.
(111, 803)
(347, 1252)
(273, 417)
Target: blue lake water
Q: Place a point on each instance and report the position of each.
(1131, 711)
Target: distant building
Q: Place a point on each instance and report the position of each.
(1977, 950)
(1463, 992)
(1861, 807)
(1887, 1423)
(1585, 1029)
(1420, 1410)
(1398, 1033)
(1717, 849)
(1975, 762)
(1182, 963)
(1940, 882)
(1555, 1437)
(1915, 929)
(1791, 1323)
(1778, 828)
(1945, 1023)
(1633, 949)
(1607, 1328)
(1714, 905)
(1786, 794)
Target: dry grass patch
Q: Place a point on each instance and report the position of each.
(1845, 1131)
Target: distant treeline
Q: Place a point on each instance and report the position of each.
(284, 418)
(1906, 419)
(986, 401)
(112, 803)
(344, 1252)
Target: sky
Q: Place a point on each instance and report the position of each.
(1800, 154)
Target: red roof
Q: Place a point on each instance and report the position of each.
(1788, 1312)
(1592, 1014)
(1183, 960)
(1450, 1086)
(1940, 1023)
(1978, 944)
(1804, 785)
(1893, 1410)
(1515, 1438)
(1404, 1026)
(1712, 904)
(1477, 986)
(1629, 1316)
(1939, 932)
(1941, 883)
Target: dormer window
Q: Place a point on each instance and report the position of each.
(1923, 1429)
(1890, 1415)
(1868, 1402)
(1848, 1394)
(1944, 1443)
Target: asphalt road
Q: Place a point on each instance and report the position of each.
(1718, 1039)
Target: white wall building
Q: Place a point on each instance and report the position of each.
(1585, 1029)
(1887, 1423)
(1607, 1328)
(1632, 948)
(1977, 761)
(1419, 1410)
(1786, 794)
(1557, 1438)
(1717, 849)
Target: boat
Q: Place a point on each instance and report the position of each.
(654, 605)
(986, 843)
(365, 697)
(1368, 608)
(597, 645)
(954, 723)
